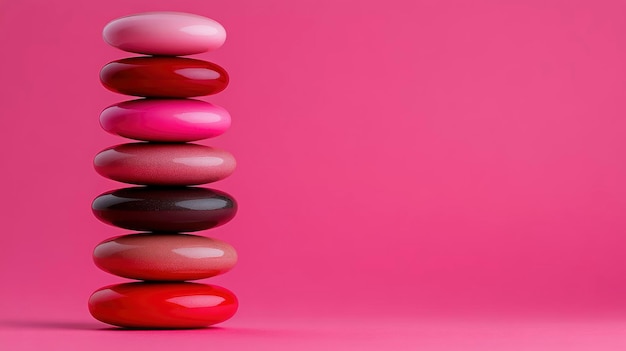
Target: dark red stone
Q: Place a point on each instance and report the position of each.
(174, 77)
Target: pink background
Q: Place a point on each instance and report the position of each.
(412, 174)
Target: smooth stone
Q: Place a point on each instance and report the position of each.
(165, 120)
(164, 257)
(164, 164)
(164, 33)
(165, 209)
(162, 305)
(165, 77)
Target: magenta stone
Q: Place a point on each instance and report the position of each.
(165, 120)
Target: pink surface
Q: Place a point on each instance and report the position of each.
(406, 171)
(165, 120)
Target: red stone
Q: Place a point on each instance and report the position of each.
(162, 305)
(174, 77)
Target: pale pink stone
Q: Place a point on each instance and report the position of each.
(164, 33)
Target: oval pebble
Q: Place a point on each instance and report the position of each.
(164, 164)
(185, 209)
(164, 33)
(165, 77)
(165, 120)
(162, 305)
(164, 257)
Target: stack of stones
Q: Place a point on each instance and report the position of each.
(166, 166)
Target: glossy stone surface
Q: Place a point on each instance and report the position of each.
(165, 209)
(174, 77)
(164, 33)
(165, 120)
(164, 164)
(162, 305)
(164, 257)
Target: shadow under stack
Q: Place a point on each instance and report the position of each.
(166, 206)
